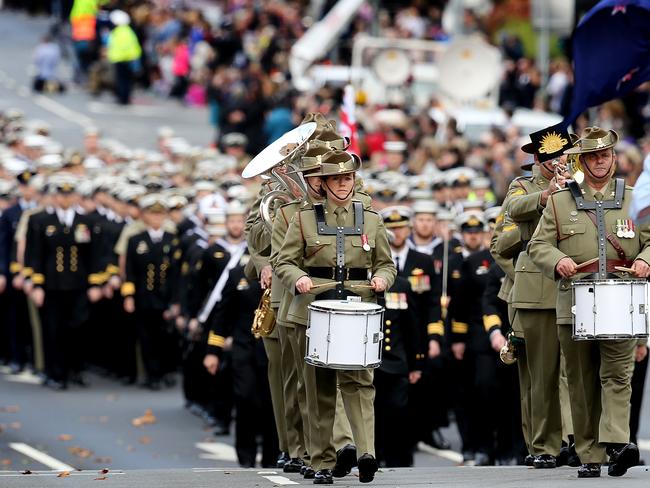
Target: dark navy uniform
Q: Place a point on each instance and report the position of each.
(233, 317)
(400, 356)
(150, 277)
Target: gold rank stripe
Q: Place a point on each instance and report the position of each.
(27, 272)
(216, 340)
(435, 328)
(459, 327)
(127, 289)
(97, 278)
(38, 278)
(15, 267)
(490, 321)
(112, 269)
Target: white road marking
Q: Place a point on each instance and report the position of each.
(644, 444)
(62, 111)
(26, 377)
(280, 480)
(220, 452)
(448, 454)
(222, 470)
(41, 457)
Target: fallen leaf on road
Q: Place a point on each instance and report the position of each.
(63, 474)
(10, 409)
(5, 462)
(103, 471)
(147, 418)
(65, 437)
(80, 451)
(103, 419)
(15, 425)
(101, 478)
(27, 471)
(145, 439)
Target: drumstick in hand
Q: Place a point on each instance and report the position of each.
(334, 283)
(587, 263)
(624, 269)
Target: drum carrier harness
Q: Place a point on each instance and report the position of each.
(596, 212)
(341, 273)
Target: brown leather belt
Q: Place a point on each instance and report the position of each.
(593, 267)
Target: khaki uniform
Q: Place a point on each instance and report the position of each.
(599, 372)
(304, 248)
(533, 298)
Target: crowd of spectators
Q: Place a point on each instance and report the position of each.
(232, 56)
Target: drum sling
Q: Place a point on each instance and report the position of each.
(340, 272)
(596, 212)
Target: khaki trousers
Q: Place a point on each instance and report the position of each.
(599, 374)
(543, 354)
(565, 402)
(341, 433)
(294, 397)
(276, 383)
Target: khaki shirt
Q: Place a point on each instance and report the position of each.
(303, 248)
(566, 231)
(531, 290)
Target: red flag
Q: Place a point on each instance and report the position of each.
(348, 124)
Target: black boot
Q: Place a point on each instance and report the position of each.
(308, 473)
(545, 461)
(621, 458)
(529, 460)
(323, 477)
(589, 470)
(367, 468)
(283, 458)
(346, 459)
(293, 466)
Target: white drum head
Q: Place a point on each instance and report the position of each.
(345, 306)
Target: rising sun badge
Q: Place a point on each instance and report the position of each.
(551, 143)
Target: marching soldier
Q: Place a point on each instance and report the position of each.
(409, 307)
(579, 223)
(66, 274)
(471, 347)
(232, 317)
(533, 296)
(151, 268)
(16, 317)
(312, 253)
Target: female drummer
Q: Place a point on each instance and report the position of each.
(340, 245)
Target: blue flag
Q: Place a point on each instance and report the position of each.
(611, 53)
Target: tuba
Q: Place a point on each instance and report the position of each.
(278, 162)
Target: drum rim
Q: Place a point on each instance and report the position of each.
(610, 281)
(376, 308)
(350, 367)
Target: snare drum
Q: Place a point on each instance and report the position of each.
(344, 334)
(610, 309)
